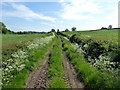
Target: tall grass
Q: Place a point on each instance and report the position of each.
(56, 71)
(0, 78)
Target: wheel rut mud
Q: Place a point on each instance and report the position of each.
(70, 74)
(38, 78)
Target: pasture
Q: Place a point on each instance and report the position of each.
(107, 35)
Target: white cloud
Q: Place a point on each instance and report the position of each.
(22, 28)
(114, 15)
(61, 21)
(75, 9)
(48, 24)
(75, 16)
(30, 0)
(22, 11)
(107, 1)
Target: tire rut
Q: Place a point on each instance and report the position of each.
(38, 78)
(70, 74)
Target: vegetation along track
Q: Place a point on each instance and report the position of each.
(70, 61)
(48, 75)
(92, 77)
(18, 66)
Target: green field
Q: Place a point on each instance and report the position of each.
(107, 35)
(9, 40)
(94, 56)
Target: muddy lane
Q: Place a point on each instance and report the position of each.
(38, 78)
(70, 73)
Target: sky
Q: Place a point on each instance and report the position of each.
(44, 15)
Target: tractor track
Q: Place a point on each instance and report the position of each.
(70, 74)
(38, 78)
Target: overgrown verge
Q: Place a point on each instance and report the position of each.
(56, 71)
(104, 55)
(17, 67)
(92, 77)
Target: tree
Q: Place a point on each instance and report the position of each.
(4, 30)
(66, 30)
(103, 28)
(110, 27)
(2, 25)
(74, 29)
(58, 30)
(52, 30)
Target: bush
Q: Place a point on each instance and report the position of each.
(92, 77)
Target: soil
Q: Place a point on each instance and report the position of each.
(71, 76)
(38, 78)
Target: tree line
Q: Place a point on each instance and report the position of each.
(4, 30)
(66, 30)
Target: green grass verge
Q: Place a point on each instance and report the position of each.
(56, 71)
(0, 78)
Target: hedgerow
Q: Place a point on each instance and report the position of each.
(92, 77)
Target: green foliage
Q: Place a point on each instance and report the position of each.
(103, 55)
(53, 30)
(93, 46)
(92, 77)
(58, 82)
(56, 71)
(24, 60)
(74, 29)
(4, 30)
(0, 78)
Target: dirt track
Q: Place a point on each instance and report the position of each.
(38, 78)
(71, 75)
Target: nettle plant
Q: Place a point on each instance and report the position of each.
(18, 59)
